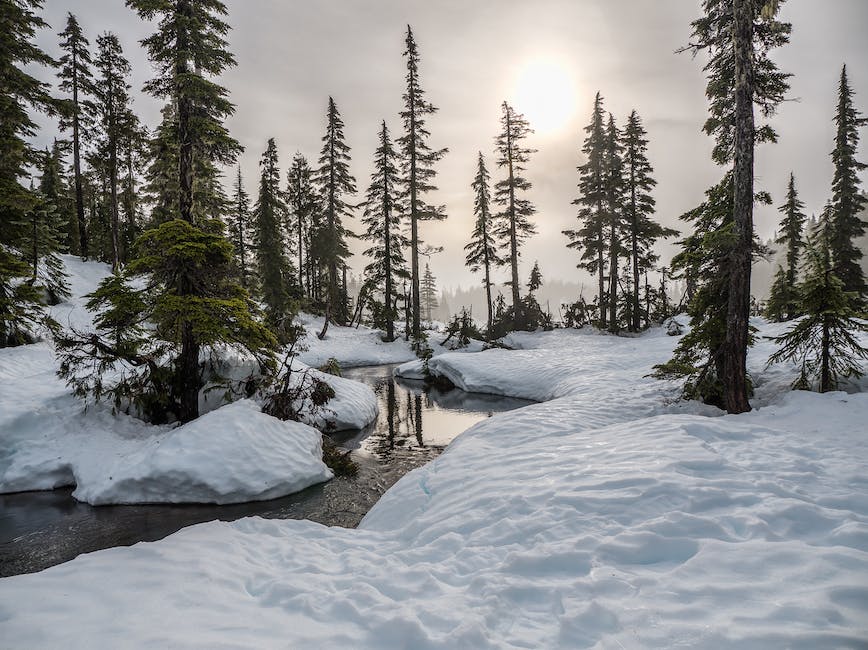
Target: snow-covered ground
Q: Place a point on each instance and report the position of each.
(609, 516)
(232, 454)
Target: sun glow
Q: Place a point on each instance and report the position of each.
(546, 94)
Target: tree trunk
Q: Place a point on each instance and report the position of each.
(513, 241)
(387, 243)
(414, 216)
(601, 298)
(76, 159)
(738, 309)
(634, 242)
(613, 275)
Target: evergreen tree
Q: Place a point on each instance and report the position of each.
(847, 200)
(429, 292)
(790, 237)
(614, 182)
(639, 210)
(334, 181)
(276, 274)
(482, 253)
(382, 217)
(240, 227)
(514, 225)
(301, 197)
(112, 102)
(738, 36)
(76, 80)
(783, 298)
(417, 168)
(43, 241)
(161, 185)
(536, 280)
(590, 238)
(19, 91)
(133, 155)
(824, 343)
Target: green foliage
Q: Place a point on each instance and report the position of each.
(133, 356)
(462, 329)
(331, 367)
(824, 343)
(784, 294)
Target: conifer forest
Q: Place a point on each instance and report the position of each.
(433, 325)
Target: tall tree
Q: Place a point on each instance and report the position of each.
(639, 209)
(417, 167)
(382, 217)
(614, 181)
(590, 238)
(76, 79)
(514, 224)
(20, 91)
(240, 226)
(302, 205)
(112, 101)
(790, 237)
(847, 200)
(189, 50)
(45, 226)
(482, 251)
(738, 36)
(825, 341)
(334, 181)
(275, 271)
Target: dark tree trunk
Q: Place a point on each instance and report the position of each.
(414, 216)
(634, 243)
(387, 244)
(76, 160)
(513, 240)
(613, 274)
(738, 309)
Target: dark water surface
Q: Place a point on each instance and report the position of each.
(40, 529)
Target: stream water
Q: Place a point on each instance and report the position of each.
(40, 529)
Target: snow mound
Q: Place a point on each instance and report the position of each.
(233, 454)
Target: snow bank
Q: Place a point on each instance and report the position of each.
(601, 518)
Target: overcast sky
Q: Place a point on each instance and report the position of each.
(547, 57)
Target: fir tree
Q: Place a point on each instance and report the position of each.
(382, 217)
(240, 228)
(590, 237)
(275, 271)
(783, 298)
(76, 79)
(790, 237)
(738, 36)
(824, 343)
(334, 181)
(43, 241)
(19, 91)
(133, 148)
(417, 168)
(112, 102)
(847, 200)
(536, 280)
(639, 210)
(514, 225)
(482, 253)
(429, 293)
(615, 226)
(161, 184)
(301, 197)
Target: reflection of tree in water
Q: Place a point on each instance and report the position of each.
(402, 428)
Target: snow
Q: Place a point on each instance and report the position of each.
(609, 516)
(231, 454)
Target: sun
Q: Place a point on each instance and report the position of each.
(545, 93)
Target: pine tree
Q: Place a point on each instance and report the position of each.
(19, 91)
(189, 50)
(76, 79)
(790, 237)
(536, 280)
(783, 298)
(639, 210)
(45, 227)
(334, 181)
(161, 185)
(112, 104)
(614, 182)
(429, 292)
(133, 153)
(482, 253)
(302, 205)
(738, 36)
(240, 228)
(382, 217)
(514, 225)
(847, 200)
(275, 271)
(824, 343)
(417, 168)
(590, 238)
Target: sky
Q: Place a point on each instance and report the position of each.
(547, 58)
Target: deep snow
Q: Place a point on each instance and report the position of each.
(609, 516)
(232, 454)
